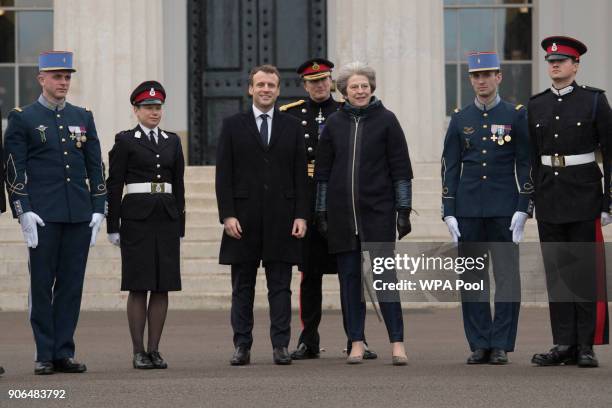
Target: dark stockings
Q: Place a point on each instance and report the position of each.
(138, 313)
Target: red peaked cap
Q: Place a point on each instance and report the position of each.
(560, 47)
(148, 93)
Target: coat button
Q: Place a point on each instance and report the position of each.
(537, 125)
(556, 154)
(158, 165)
(63, 140)
(556, 135)
(556, 117)
(303, 110)
(484, 177)
(485, 114)
(484, 138)
(310, 150)
(158, 176)
(68, 179)
(306, 136)
(61, 127)
(157, 155)
(484, 152)
(484, 164)
(67, 166)
(65, 153)
(484, 126)
(578, 123)
(59, 116)
(560, 100)
(304, 123)
(556, 173)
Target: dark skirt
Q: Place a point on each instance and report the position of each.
(150, 253)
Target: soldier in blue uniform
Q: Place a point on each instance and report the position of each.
(55, 183)
(312, 113)
(486, 153)
(567, 125)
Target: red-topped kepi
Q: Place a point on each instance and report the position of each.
(561, 47)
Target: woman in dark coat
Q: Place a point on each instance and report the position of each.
(364, 191)
(149, 221)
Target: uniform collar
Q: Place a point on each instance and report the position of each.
(563, 91)
(50, 105)
(490, 105)
(146, 130)
(323, 104)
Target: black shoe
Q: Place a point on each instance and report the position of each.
(69, 365)
(479, 356)
(498, 357)
(157, 360)
(369, 354)
(303, 352)
(556, 356)
(43, 368)
(242, 356)
(142, 361)
(281, 356)
(586, 357)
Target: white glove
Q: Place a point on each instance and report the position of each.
(28, 223)
(113, 238)
(453, 227)
(517, 226)
(96, 221)
(606, 219)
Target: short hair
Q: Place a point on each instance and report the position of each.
(267, 68)
(355, 68)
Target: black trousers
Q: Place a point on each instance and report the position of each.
(278, 278)
(576, 271)
(491, 236)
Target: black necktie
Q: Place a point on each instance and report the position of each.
(152, 137)
(263, 129)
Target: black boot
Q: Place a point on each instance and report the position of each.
(586, 356)
(556, 356)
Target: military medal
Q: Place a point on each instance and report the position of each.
(78, 144)
(507, 138)
(41, 129)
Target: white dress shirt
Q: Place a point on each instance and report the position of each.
(147, 131)
(258, 119)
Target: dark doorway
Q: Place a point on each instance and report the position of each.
(226, 39)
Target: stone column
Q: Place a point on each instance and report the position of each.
(116, 44)
(403, 41)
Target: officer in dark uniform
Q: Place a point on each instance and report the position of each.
(55, 182)
(486, 152)
(2, 195)
(148, 222)
(567, 125)
(316, 74)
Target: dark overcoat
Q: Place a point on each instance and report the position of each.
(264, 187)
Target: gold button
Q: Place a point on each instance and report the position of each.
(484, 126)
(484, 152)
(484, 177)
(61, 127)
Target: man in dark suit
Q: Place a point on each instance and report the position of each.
(55, 183)
(263, 205)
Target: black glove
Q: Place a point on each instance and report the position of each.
(321, 223)
(403, 222)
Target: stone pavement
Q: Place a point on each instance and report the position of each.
(197, 345)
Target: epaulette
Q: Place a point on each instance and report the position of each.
(291, 105)
(17, 109)
(592, 89)
(457, 110)
(540, 94)
(519, 106)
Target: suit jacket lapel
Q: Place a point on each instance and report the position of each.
(276, 127)
(251, 124)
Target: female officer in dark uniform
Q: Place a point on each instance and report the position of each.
(150, 219)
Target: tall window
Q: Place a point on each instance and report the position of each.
(26, 29)
(503, 26)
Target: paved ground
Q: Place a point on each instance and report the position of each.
(198, 346)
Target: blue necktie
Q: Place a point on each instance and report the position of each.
(263, 129)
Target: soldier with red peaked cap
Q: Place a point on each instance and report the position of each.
(568, 124)
(149, 220)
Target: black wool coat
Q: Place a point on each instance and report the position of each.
(264, 187)
(360, 157)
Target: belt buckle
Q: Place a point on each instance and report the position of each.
(158, 188)
(558, 161)
(311, 169)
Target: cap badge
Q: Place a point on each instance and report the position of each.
(479, 60)
(315, 67)
(554, 47)
(152, 92)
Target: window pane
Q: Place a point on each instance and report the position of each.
(450, 35)
(7, 36)
(7, 89)
(7, 3)
(515, 34)
(516, 83)
(35, 34)
(451, 88)
(29, 89)
(472, 24)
